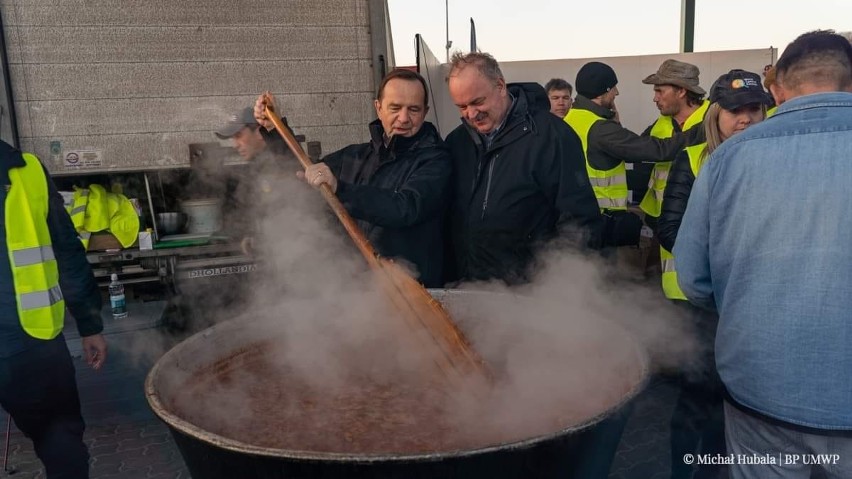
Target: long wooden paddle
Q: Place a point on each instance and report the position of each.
(457, 357)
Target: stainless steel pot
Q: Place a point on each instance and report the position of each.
(170, 223)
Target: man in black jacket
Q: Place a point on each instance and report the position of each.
(37, 378)
(397, 184)
(519, 174)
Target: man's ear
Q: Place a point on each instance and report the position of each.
(378, 106)
(778, 93)
(501, 83)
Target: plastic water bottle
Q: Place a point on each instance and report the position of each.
(116, 298)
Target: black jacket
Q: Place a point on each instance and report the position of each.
(76, 280)
(675, 198)
(399, 194)
(610, 143)
(508, 199)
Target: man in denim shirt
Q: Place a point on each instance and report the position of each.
(766, 240)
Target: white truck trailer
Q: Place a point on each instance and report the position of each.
(129, 92)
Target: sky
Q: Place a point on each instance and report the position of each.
(550, 29)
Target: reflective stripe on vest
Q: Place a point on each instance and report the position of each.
(26, 257)
(41, 299)
(77, 210)
(610, 186)
(663, 128)
(41, 309)
(670, 287)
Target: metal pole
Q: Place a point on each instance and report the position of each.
(7, 85)
(687, 26)
(447, 27)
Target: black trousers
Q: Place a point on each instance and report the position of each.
(39, 389)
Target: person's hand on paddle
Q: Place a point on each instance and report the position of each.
(317, 174)
(264, 99)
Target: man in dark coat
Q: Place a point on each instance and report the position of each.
(37, 378)
(519, 174)
(397, 184)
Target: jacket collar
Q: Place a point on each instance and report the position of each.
(426, 136)
(584, 103)
(815, 100)
(10, 157)
(528, 99)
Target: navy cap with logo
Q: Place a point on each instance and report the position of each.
(237, 122)
(738, 88)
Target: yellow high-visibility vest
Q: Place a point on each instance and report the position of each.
(94, 209)
(652, 202)
(77, 211)
(610, 186)
(670, 286)
(771, 111)
(41, 309)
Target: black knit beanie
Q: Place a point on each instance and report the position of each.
(594, 79)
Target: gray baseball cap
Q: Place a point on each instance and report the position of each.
(237, 122)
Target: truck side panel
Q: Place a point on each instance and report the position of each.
(139, 81)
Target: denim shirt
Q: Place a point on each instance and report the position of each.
(767, 240)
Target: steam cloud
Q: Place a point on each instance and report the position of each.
(559, 345)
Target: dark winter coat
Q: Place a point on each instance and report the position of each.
(509, 199)
(399, 193)
(675, 198)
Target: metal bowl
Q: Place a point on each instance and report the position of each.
(170, 223)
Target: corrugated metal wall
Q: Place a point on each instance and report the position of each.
(141, 79)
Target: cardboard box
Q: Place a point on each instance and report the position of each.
(104, 240)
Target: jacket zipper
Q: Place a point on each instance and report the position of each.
(488, 185)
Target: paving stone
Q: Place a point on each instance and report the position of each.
(136, 468)
(115, 458)
(100, 449)
(167, 475)
(141, 442)
(105, 469)
(168, 450)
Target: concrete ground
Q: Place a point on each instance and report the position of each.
(127, 441)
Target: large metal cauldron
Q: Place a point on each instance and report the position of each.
(552, 455)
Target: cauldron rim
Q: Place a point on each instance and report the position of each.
(186, 427)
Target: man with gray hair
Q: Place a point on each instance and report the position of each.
(519, 174)
(764, 241)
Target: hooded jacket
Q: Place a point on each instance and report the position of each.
(399, 194)
(511, 197)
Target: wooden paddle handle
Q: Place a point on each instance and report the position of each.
(348, 222)
(405, 293)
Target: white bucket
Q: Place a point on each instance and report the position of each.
(204, 215)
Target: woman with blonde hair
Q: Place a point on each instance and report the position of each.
(737, 101)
